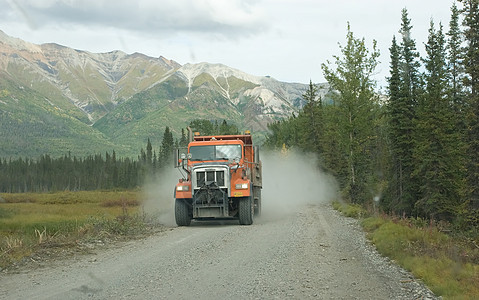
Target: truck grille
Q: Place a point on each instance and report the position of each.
(207, 177)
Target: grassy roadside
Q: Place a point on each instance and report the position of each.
(447, 263)
(34, 223)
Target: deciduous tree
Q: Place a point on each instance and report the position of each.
(351, 81)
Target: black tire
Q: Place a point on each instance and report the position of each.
(182, 214)
(246, 211)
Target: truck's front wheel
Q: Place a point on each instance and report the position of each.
(182, 214)
(246, 211)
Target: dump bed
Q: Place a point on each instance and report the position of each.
(246, 138)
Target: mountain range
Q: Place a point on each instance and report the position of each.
(57, 100)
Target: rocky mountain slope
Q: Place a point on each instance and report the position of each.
(54, 99)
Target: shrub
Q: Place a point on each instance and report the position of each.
(350, 210)
(444, 263)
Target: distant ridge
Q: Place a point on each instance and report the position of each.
(116, 100)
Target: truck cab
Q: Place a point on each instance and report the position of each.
(222, 179)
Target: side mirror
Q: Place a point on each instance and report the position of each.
(179, 157)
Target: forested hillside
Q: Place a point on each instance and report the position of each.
(102, 171)
(416, 152)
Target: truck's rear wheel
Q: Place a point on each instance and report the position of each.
(246, 211)
(182, 214)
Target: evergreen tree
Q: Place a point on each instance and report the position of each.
(351, 79)
(332, 155)
(310, 119)
(226, 129)
(395, 117)
(285, 133)
(149, 153)
(457, 95)
(402, 112)
(47, 174)
(437, 151)
(184, 140)
(470, 13)
(155, 163)
(107, 171)
(455, 64)
(115, 170)
(409, 64)
(167, 144)
(204, 127)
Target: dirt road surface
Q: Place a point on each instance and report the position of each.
(313, 253)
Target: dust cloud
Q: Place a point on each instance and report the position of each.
(159, 204)
(292, 180)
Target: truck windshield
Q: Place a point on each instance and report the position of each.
(215, 152)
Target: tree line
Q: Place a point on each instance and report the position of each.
(99, 172)
(415, 151)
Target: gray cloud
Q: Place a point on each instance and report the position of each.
(287, 39)
(228, 19)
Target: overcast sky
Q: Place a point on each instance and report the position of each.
(285, 39)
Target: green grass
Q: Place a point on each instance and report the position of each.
(447, 263)
(349, 210)
(29, 222)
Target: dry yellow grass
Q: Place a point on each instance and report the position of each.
(28, 220)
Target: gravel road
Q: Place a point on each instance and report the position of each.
(312, 252)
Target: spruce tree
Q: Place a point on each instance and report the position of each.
(167, 144)
(455, 62)
(204, 127)
(403, 110)
(457, 95)
(183, 140)
(311, 120)
(395, 107)
(149, 153)
(470, 13)
(437, 153)
(115, 169)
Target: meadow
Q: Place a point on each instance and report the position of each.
(31, 221)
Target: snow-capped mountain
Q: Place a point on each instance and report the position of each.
(119, 95)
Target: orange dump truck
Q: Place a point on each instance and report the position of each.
(222, 179)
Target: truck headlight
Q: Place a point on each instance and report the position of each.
(241, 186)
(183, 188)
